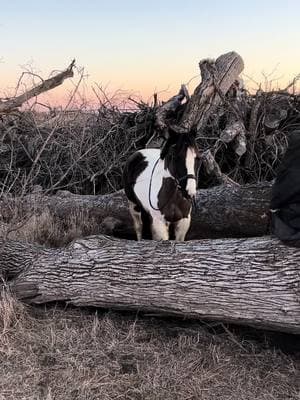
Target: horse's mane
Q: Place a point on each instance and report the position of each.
(178, 142)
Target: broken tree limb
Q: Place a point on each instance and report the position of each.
(235, 131)
(170, 107)
(212, 168)
(240, 143)
(232, 130)
(254, 281)
(12, 103)
(253, 128)
(222, 211)
(217, 78)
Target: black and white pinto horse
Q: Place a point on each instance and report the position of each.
(160, 185)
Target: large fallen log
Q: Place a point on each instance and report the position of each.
(222, 211)
(253, 281)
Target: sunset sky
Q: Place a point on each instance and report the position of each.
(147, 46)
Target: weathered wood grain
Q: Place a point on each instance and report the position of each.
(254, 281)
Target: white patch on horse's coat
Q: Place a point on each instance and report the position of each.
(137, 220)
(160, 230)
(181, 228)
(141, 187)
(191, 185)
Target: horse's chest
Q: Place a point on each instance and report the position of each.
(149, 183)
(171, 202)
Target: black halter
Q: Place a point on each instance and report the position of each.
(184, 191)
(188, 176)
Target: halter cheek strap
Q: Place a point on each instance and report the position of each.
(184, 191)
(150, 185)
(188, 176)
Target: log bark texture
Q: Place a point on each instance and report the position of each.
(222, 211)
(253, 281)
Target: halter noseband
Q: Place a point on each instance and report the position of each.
(184, 191)
(188, 176)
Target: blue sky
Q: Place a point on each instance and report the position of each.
(147, 45)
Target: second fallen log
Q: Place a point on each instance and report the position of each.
(222, 211)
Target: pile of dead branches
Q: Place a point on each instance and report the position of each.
(242, 136)
(75, 150)
(247, 135)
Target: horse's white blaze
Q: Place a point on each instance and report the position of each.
(190, 165)
(141, 188)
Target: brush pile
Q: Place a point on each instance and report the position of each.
(242, 138)
(82, 152)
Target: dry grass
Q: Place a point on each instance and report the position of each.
(81, 354)
(50, 230)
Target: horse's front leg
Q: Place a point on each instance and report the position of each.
(137, 219)
(181, 228)
(160, 230)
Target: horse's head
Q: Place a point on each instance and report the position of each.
(181, 155)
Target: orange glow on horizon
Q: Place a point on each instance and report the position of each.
(141, 88)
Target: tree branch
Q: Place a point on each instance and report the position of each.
(48, 84)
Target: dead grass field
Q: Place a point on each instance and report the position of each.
(63, 354)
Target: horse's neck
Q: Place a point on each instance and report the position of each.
(164, 170)
(170, 167)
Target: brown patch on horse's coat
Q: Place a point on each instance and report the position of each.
(171, 201)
